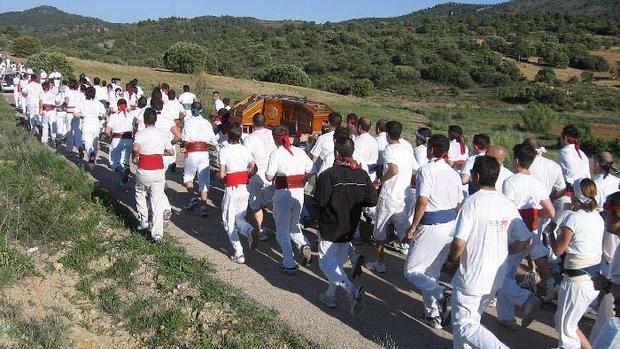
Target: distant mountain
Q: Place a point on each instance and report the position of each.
(50, 20)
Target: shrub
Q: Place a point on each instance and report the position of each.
(285, 74)
(587, 76)
(543, 93)
(363, 87)
(24, 46)
(48, 60)
(546, 75)
(407, 74)
(186, 57)
(538, 118)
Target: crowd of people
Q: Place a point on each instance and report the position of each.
(547, 232)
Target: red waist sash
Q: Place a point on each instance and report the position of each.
(530, 217)
(196, 146)
(237, 178)
(151, 162)
(123, 135)
(458, 164)
(48, 107)
(290, 182)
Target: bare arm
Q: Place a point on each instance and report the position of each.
(222, 173)
(456, 249)
(547, 210)
(465, 178)
(420, 208)
(177, 135)
(135, 151)
(561, 243)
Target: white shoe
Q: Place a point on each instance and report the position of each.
(143, 225)
(376, 266)
(432, 322)
(237, 259)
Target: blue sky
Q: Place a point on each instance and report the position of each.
(311, 10)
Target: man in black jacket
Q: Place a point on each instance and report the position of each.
(341, 193)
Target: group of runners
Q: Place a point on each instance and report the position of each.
(545, 233)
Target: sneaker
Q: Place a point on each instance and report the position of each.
(357, 260)
(376, 266)
(356, 300)
(529, 308)
(262, 235)
(252, 239)
(403, 248)
(204, 211)
(191, 204)
(290, 271)
(446, 308)
(432, 322)
(143, 225)
(306, 253)
(237, 259)
(330, 302)
(167, 215)
(157, 240)
(509, 324)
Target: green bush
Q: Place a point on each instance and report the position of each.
(363, 87)
(546, 75)
(543, 93)
(49, 60)
(407, 74)
(186, 57)
(538, 118)
(587, 76)
(24, 46)
(285, 74)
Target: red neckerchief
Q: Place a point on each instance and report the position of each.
(347, 162)
(286, 141)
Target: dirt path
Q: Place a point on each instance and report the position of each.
(391, 308)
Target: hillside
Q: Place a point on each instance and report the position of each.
(50, 20)
(605, 8)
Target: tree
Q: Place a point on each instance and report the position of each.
(285, 74)
(546, 75)
(187, 57)
(24, 46)
(363, 87)
(49, 60)
(538, 118)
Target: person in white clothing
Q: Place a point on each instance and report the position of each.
(481, 144)
(55, 77)
(499, 153)
(573, 161)
(196, 137)
(261, 144)
(382, 142)
(187, 98)
(458, 152)
(605, 175)
(16, 91)
(91, 112)
(173, 109)
(139, 121)
(120, 128)
(488, 229)
(226, 102)
(74, 98)
(150, 145)
(217, 102)
(289, 167)
(130, 96)
(367, 146)
(32, 92)
(138, 89)
(47, 107)
(324, 146)
(421, 138)
(23, 83)
(236, 166)
(439, 192)
(580, 238)
(100, 92)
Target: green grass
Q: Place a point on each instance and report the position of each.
(109, 300)
(47, 333)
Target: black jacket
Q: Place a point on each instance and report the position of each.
(341, 192)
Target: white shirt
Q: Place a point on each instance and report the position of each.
(421, 155)
(324, 146)
(549, 173)
(588, 228)
(261, 144)
(101, 93)
(573, 167)
(140, 119)
(504, 174)
(469, 164)
(218, 104)
(605, 187)
(187, 98)
(74, 98)
(235, 158)
(90, 111)
(50, 97)
(368, 148)
(401, 155)
(488, 222)
(198, 129)
(131, 100)
(121, 123)
(282, 163)
(172, 110)
(152, 141)
(382, 142)
(438, 182)
(454, 153)
(33, 93)
(525, 191)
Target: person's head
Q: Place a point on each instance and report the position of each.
(438, 146)
(96, 81)
(455, 132)
(142, 102)
(393, 129)
(352, 119)
(523, 156)
(532, 142)
(150, 117)
(185, 88)
(604, 164)
(341, 132)
(164, 87)
(585, 194)
(223, 113)
(134, 82)
(122, 105)
(104, 83)
(46, 86)
(196, 108)
(571, 135)
(215, 95)
(110, 88)
(481, 143)
(172, 95)
(343, 148)
(422, 135)
(380, 126)
(334, 119)
(226, 101)
(156, 94)
(90, 92)
(157, 104)
(485, 172)
(129, 88)
(258, 120)
(234, 133)
(611, 213)
(73, 85)
(363, 125)
(499, 152)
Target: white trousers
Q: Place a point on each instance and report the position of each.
(467, 330)
(90, 139)
(511, 295)
(286, 210)
(427, 253)
(151, 183)
(234, 207)
(573, 301)
(197, 166)
(391, 211)
(332, 256)
(120, 151)
(49, 126)
(609, 336)
(61, 124)
(16, 98)
(604, 313)
(32, 111)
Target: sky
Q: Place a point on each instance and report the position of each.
(123, 11)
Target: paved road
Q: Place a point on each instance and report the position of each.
(391, 308)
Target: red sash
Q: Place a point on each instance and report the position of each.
(290, 182)
(123, 135)
(48, 107)
(151, 162)
(458, 164)
(237, 178)
(196, 146)
(569, 192)
(530, 217)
